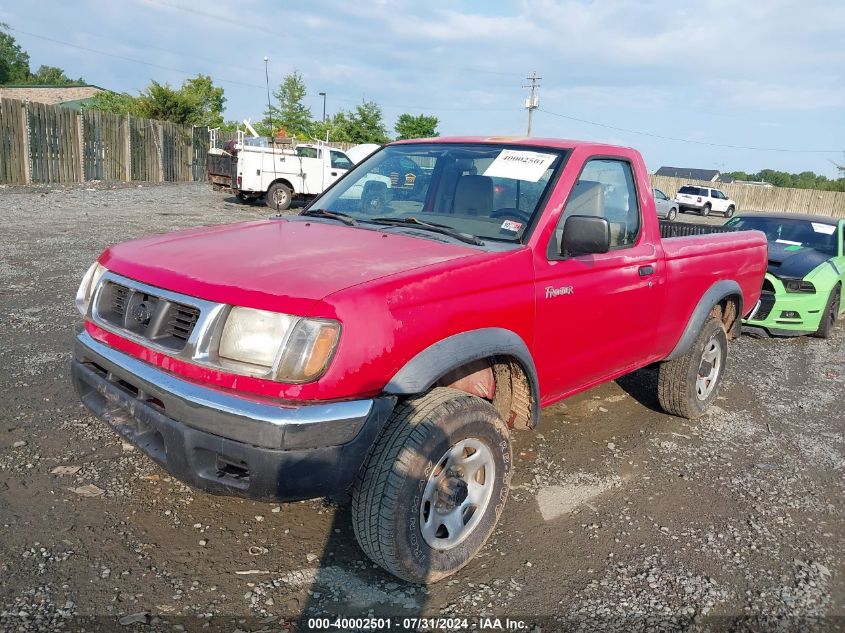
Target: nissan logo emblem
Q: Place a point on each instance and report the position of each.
(141, 312)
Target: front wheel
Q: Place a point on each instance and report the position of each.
(279, 197)
(434, 486)
(673, 213)
(830, 314)
(730, 212)
(688, 385)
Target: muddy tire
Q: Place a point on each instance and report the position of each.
(830, 314)
(279, 197)
(432, 490)
(688, 385)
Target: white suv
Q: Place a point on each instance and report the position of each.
(704, 200)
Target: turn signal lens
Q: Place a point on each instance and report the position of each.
(309, 350)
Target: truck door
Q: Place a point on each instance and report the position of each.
(597, 314)
(338, 164)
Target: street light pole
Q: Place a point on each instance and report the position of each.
(323, 94)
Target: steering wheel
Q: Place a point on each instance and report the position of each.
(511, 212)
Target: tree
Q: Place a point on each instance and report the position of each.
(114, 102)
(410, 126)
(207, 101)
(160, 101)
(364, 125)
(198, 102)
(291, 114)
(14, 61)
(53, 76)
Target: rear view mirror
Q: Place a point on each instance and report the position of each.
(585, 235)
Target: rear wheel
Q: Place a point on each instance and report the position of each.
(688, 385)
(730, 212)
(434, 486)
(673, 213)
(279, 196)
(831, 313)
(705, 210)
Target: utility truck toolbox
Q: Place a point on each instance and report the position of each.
(388, 340)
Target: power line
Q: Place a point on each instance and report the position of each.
(130, 59)
(689, 140)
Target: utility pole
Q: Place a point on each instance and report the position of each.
(323, 94)
(533, 101)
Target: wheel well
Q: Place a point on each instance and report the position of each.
(728, 312)
(500, 380)
(284, 182)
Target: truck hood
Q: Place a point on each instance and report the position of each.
(273, 264)
(794, 262)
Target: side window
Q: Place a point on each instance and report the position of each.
(606, 189)
(308, 152)
(660, 195)
(340, 160)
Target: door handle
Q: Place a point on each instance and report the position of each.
(334, 173)
(645, 271)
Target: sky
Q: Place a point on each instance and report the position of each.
(708, 84)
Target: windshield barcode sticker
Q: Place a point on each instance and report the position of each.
(520, 165)
(827, 229)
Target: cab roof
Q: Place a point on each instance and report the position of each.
(529, 141)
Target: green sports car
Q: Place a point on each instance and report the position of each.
(802, 291)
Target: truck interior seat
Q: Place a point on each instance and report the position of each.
(473, 196)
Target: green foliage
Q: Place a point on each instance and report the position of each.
(291, 115)
(14, 61)
(114, 102)
(206, 100)
(53, 76)
(804, 180)
(14, 66)
(198, 102)
(410, 126)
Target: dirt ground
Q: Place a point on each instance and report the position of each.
(620, 517)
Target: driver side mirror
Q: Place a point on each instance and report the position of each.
(585, 235)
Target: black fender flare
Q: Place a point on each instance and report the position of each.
(716, 293)
(420, 373)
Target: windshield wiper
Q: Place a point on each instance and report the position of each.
(429, 226)
(332, 215)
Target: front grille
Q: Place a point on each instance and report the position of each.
(144, 315)
(767, 302)
(182, 321)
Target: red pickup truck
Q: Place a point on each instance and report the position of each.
(388, 339)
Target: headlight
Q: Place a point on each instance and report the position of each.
(288, 348)
(86, 288)
(794, 285)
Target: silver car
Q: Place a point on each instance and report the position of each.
(666, 207)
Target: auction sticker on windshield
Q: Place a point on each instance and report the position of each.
(827, 229)
(520, 165)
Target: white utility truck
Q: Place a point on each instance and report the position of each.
(278, 170)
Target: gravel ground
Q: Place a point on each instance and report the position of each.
(620, 517)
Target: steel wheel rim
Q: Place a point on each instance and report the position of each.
(280, 196)
(457, 494)
(709, 369)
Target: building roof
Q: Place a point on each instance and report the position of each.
(51, 95)
(690, 173)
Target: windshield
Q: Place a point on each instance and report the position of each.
(488, 191)
(792, 232)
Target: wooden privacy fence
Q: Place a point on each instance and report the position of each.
(770, 199)
(41, 143)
